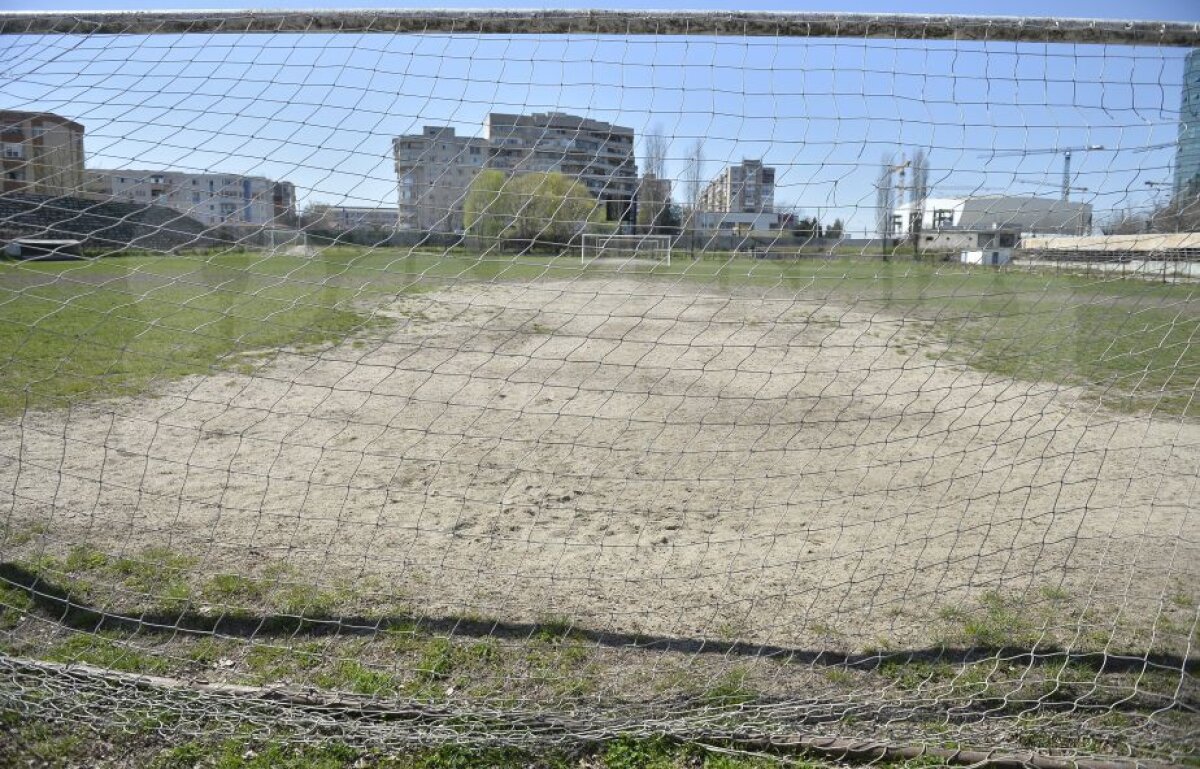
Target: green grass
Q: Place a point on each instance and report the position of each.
(233, 589)
(74, 330)
(14, 604)
(105, 651)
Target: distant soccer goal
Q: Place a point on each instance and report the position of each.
(625, 249)
(285, 241)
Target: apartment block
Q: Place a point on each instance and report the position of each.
(434, 170)
(598, 154)
(212, 199)
(42, 153)
(748, 188)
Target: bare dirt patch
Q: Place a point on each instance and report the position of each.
(646, 457)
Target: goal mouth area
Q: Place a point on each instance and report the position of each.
(625, 251)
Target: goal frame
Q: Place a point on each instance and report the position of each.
(599, 241)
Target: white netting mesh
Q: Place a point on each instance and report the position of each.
(315, 423)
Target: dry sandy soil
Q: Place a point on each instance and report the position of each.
(642, 456)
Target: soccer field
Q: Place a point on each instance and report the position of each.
(817, 456)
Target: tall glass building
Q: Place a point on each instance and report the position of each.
(1187, 153)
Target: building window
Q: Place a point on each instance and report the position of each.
(13, 151)
(195, 197)
(121, 179)
(943, 217)
(39, 131)
(17, 176)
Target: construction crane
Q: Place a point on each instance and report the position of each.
(1066, 153)
(1039, 183)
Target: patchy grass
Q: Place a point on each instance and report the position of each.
(268, 663)
(730, 690)
(80, 330)
(997, 622)
(14, 604)
(233, 589)
(556, 665)
(441, 658)
(106, 651)
(352, 675)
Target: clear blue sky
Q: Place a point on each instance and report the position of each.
(321, 110)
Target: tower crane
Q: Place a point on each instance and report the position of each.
(1066, 153)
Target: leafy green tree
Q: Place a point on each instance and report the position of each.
(487, 205)
(531, 209)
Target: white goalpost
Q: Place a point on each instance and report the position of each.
(625, 249)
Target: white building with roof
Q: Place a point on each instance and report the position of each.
(1025, 214)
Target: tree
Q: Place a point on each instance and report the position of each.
(1181, 214)
(654, 195)
(808, 228)
(885, 202)
(531, 209)
(835, 230)
(487, 205)
(1127, 222)
(656, 153)
(694, 177)
(918, 194)
(668, 221)
(317, 216)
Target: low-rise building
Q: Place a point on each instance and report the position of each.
(40, 153)
(348, 218)
(1028, 215)
(736, 221)
(212, 199)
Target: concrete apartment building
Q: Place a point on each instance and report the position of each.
(748, 188)
(212, 199)
(434, 170)
(598, 154)
(42, 154)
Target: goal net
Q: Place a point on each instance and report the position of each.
(626, 249)
(327, 436)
